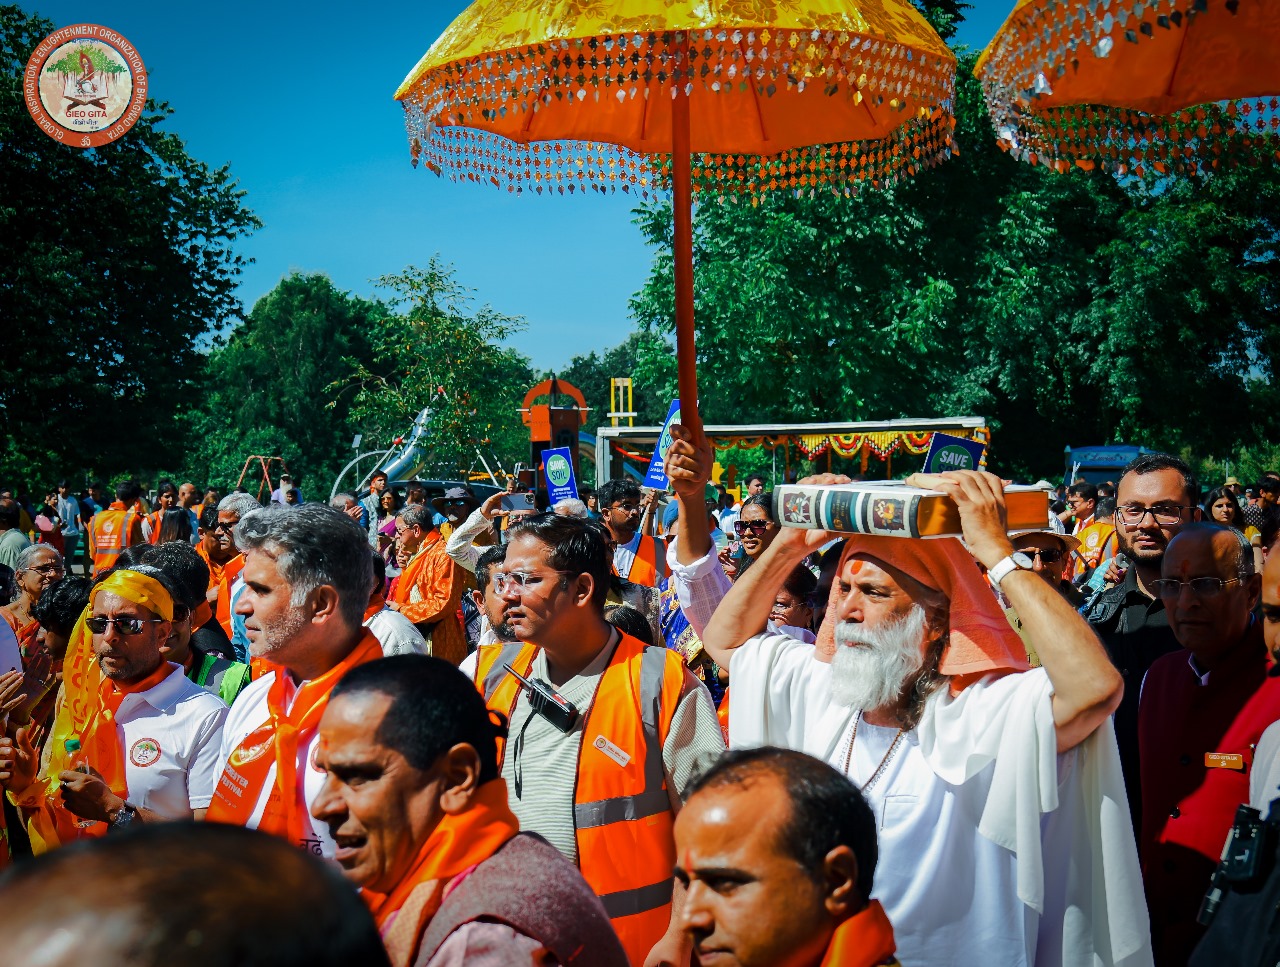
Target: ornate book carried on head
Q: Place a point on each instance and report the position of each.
(889, 508)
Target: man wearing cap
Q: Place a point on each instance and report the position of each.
(134, 740)
(430, 588)
(967, 757)
(1050, 553)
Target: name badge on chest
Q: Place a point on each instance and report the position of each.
(1224, 760)
(611, 750)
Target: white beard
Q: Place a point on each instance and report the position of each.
(872, 666)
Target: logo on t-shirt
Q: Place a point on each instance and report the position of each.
(144, 752)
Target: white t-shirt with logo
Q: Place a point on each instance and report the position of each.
(249, 714)
(171, 735)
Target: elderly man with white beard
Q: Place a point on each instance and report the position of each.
(1003, 825)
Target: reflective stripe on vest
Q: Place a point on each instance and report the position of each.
(622, 813)
(110, 532)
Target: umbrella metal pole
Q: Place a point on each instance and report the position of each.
(682, 250)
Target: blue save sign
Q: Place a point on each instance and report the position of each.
(948, 452)
(557, 468)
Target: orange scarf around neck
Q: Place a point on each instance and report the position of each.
(456, 845)
(240, 787)
(864, 940)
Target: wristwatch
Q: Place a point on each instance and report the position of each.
(124, 817)
(1016, 561)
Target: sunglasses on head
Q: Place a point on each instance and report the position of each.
(125, 626)
(756, 527)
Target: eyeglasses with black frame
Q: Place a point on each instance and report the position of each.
(756, 527)
(1133, 514)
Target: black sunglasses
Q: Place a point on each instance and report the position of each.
(1047, 555)
(126, 626)
(756, 527)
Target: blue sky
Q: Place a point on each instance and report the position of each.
(297, 98)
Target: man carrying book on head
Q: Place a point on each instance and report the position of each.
(981, 771)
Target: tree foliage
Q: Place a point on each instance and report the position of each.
(118, 262)
(432, 350)
(266, 388)
(591, 374)
(1068, 309)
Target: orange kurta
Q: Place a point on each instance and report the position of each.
(26, 633)
(429, 591)
(215, 569)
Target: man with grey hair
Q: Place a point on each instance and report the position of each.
(347, 504)
(1202, 713)
(231, 509)
(571, 507)
(430, 588)
(307, 575)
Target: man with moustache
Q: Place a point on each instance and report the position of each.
(413, 797)
(148, 736)
(1156, 498)
(605, 787)
(777, 853)
(307, 574)
(967, 757)
(226, 561)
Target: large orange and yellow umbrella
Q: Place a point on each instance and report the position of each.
(719, 97)
(1171, 86)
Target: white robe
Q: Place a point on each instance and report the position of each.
(1090, 905)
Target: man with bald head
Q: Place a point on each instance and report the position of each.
(1203, 710)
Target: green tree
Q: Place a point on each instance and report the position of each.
(119, 262)
(1067, 309)
(434, 351)
(266, 387)
(591, 374)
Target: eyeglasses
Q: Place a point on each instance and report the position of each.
(1200, 587)
(222, 526)
(507, 580)
(1047, 555)
(125, 626)
(1133, 514)
(756, 527)
(53, 567)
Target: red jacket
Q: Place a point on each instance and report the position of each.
(1187, 805)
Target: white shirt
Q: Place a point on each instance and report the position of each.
(624, 555)
(1264, 775)
(251, 713)
(994, 849)
(397, 634)
(171, 735)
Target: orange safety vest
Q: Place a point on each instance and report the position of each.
(155, 518)
(622, 814)
(644, 570)
(110, 532)
(230, 571)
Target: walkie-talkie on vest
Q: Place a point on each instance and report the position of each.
(547, 702)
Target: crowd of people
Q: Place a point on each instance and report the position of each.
(633, 728)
